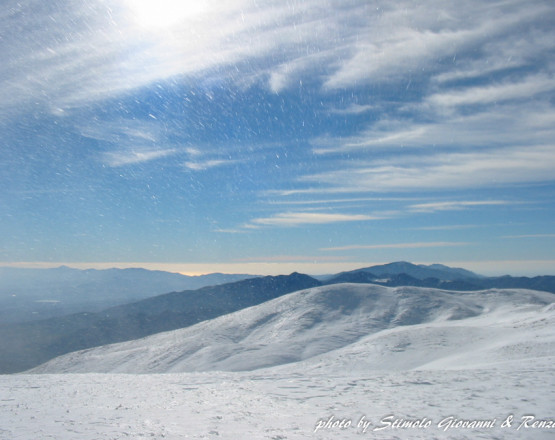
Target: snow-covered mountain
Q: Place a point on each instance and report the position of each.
(344, 361)
(345, 326)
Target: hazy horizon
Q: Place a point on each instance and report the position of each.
(487, 268)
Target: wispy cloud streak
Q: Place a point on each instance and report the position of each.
(530, 236)
(455, 205)
(206, 164)
(396, 246)
(306, 218)
(118, 159)
(524, 89)
(490, 168)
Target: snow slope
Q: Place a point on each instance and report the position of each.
(371, 326)
(374, 362)
(272, 405)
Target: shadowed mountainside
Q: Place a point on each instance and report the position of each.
(25, 345)
(32, 294)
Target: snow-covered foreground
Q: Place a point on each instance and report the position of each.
(349, 361)
(276, 405)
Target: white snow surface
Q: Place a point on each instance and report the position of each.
(298, 366)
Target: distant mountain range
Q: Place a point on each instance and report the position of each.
(32, 294)
(420, 271)
(24, 345)
(439, 276)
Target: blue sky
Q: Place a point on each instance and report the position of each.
(271, 136)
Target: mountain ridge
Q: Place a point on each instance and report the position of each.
(24, 345)
(325, 321)
(418, 271)
(28, 294)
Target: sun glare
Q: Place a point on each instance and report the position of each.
(164, 13)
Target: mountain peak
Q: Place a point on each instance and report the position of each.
(420, 271)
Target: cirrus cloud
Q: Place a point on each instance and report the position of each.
(473, 169)
(130, 157)
(307, 218)
(396, 246)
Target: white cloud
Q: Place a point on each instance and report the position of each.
(502, 55)
(206, 164)
(408, 39)
(372, 139)
(290, 72)
(231, 231)
(130, 157)
(396, 246)
(122, 130)
(68, 54)
(339, 201)
(307, 218)
(380, 58)
(353, 109)
(447, 227)
(455, 205)
(193, 151)
(501, 125)
(525, 89)
(446, 170)
(530, 236)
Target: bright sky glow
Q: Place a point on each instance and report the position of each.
(157, 14)
(310, 135)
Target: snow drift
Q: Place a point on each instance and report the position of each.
(346, 326)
